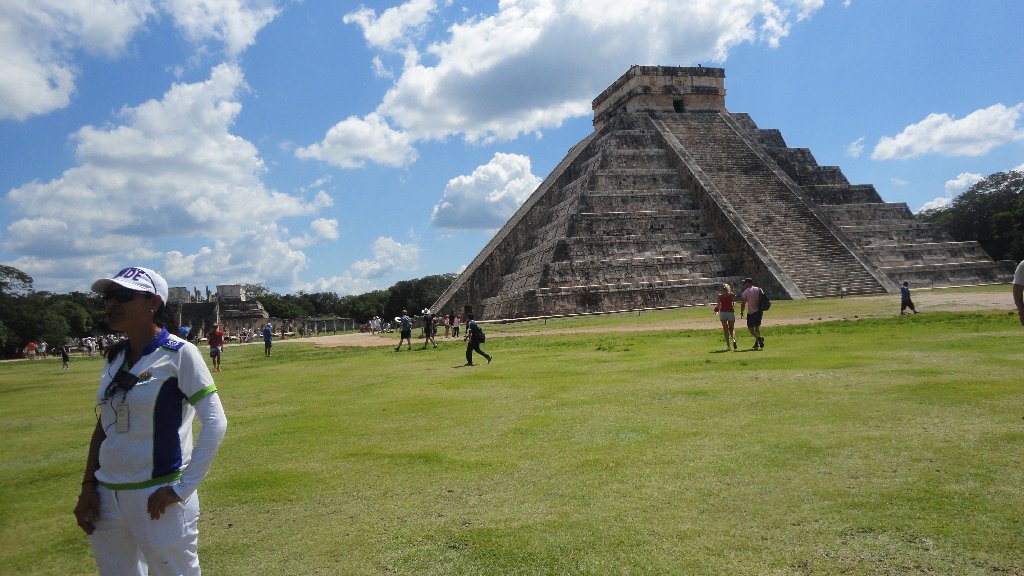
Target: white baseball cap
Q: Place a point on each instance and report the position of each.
(135, 278)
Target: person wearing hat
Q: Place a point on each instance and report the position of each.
(139, 505)
(750, 303)
(405, 330)
(428, 328)
(475, 336)
(268, 339)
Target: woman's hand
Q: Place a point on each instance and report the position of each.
(87, 511)
(160, 500)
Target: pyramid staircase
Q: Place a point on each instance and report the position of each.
(895, 242)
(806, 249)
(618, 231)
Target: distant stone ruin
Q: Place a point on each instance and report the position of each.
(228, 306)
(672, 195)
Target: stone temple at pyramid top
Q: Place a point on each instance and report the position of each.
(662, 89)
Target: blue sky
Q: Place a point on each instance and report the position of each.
(326, 145)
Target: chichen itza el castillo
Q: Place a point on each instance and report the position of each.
(672, 194)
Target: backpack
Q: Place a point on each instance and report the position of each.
(763, 303)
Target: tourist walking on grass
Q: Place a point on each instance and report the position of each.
(65, 357)
(268, 339)
(905, 301)
(428, 328)
(727, 314)
(476, 337)
(216, 341)
(1018, 291)
(750, 304)
(139, 505)
(455, 326)
(405, 330)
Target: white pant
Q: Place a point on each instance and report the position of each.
(127, 542)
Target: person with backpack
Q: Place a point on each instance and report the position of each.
(428, 328)
(405, 332)
(750, 304)
(476, 337)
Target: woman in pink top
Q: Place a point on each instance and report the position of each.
(727, 314)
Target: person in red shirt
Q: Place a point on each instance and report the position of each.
(216, 341)
(727, 314)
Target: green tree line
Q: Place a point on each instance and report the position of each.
(990, 212)
(27, 315)
(411, 295)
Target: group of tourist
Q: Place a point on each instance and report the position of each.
(753, 303)
(753, 300)
(88, 346)
(474, 334)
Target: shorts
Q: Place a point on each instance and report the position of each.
(406, 334)
(727, 316)
(215, 351)
(754, 319)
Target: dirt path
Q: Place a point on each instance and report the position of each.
(935, 300)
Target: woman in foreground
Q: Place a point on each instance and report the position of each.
(139, 504)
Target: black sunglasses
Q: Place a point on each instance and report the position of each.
(123, 294)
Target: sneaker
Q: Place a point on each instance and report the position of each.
(757, 345)
(733, 344)
(761, 341)
(489, 358)
(397, 349)
(469, 364)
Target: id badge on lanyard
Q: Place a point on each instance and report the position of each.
(123, 417)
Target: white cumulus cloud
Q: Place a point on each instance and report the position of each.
(40, 40)
(973, 135)
(952, 188)
(855, 148)
(320, 230)
(394, 25)
(532, 64)
(234, 23)
(170, 169)
(388, 256)
(962, 182)
(487, 197)
(354, 141)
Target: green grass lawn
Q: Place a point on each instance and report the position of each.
(876, 446)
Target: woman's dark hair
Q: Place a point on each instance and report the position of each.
(162, 317)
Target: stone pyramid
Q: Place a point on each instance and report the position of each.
(672, 195)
